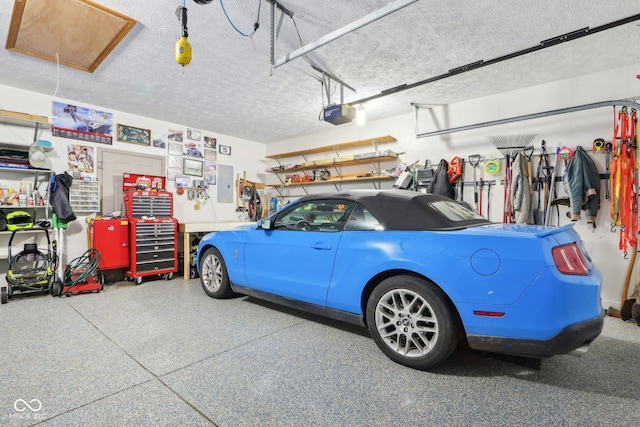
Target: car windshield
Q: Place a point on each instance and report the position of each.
(315, 215)
(454, 211)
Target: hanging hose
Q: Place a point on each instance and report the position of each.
(79, 270)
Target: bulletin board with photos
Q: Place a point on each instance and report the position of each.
(191, 155)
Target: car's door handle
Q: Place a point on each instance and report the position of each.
(322, 246)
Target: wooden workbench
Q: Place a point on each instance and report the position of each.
(199, 227)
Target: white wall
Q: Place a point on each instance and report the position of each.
(573, 129)
(245, 156)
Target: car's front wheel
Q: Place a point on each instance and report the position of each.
(213, 274)
(412, 322)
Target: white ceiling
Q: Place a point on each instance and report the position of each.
(231, 88)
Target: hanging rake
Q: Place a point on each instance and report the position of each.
(510, 146)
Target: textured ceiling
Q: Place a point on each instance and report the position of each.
(231, 88)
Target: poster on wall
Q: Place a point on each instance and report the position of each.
(210, 178)
(82, 123)
(80, 159)
(210, 142)
(134, 135)
(210, 167)
(175, 148)
(210, 155)
(159, 140)
(193, 149)
(174, 135)
(183, 181)
(174, 162)
(193, 135)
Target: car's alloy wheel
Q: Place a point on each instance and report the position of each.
(411, 322)
(213, 274)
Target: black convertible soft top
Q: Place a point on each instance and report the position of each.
(409, 210)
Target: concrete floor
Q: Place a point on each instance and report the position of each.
(163, 353)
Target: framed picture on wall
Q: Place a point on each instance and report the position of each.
(193, 149)
(193, 134)
(175, 135)
(175, 148)
(210, 154)
(191, 167)
(210, 167)
(183, 181)
(174, 162)
(134, 135)
(224, 149)
(210, 178)
(160, 140)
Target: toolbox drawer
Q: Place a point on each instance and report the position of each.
(166, 254)
(168, 265)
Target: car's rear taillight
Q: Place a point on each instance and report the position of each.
(569, 259)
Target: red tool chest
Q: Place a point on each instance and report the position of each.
(153, 233)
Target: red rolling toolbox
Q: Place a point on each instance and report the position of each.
(153, 232)
(154, 248)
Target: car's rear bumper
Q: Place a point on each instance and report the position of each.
(570, 338)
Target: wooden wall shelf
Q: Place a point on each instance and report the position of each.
(341, 146)
(24, 119)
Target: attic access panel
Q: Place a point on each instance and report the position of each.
(76, 33)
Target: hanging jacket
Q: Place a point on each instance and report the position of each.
(582, 184)
(59, 197)
(521, 191)
(440, 184)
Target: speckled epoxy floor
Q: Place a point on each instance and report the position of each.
(163, 353)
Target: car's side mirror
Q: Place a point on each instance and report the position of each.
(265, 224)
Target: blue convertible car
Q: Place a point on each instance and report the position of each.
(420, 271)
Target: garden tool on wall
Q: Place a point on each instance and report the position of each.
(489, 184)
(552, 186)
(510, 146)
(626, 303)
(635, 307)
(461, 180)
(543, 162)
(474, 160)
(480, 197)
(528, 152)
(607, 161)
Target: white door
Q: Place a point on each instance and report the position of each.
(111, 166)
